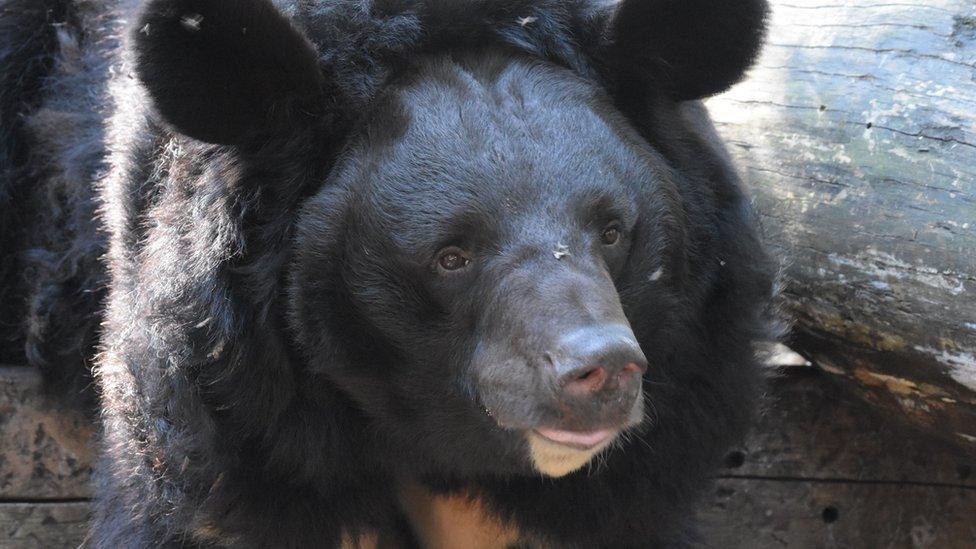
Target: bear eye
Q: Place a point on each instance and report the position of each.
(452, 259)
(611, 234)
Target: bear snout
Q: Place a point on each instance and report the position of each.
(584, 389)
(597, 371)
(566, 358)
(597, 359)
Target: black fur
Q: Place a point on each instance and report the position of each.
(689, 48)
(27, 42)
(53, 110)
(277, 352)
(224, 72)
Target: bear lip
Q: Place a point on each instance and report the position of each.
(583, 440)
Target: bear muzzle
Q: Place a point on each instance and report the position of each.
(587, 389)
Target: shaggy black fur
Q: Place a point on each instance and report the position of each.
(26, 45)
(52, 113)
(277, 351)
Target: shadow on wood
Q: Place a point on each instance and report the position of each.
(823, 469)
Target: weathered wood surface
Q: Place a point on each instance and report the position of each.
(857, 134)
(45, 465)
(43, 525)
(822, 469)
(45, 451)
(766, 514)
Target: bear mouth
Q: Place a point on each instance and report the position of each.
(580, 440)
(559, 458)
(557, 452)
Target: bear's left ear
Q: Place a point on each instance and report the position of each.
(691, 48)
(224, 71)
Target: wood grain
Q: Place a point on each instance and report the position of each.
(49, 525)
(758, 514)
(44, 449)
(823, 469)
(856, 132)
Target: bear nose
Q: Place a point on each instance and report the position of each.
(599, 361)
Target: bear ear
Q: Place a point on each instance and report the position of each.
(692, 48)
(222, 71)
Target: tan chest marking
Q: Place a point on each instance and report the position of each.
(453, 522)
(368, 541)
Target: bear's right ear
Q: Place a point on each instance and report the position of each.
(223, 71)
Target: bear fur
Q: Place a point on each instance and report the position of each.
(231, 197)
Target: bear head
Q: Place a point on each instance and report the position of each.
(498, 263)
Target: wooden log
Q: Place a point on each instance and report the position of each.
(856, 134)
(813, 429)
(45, 466)
(48, 525)
(822, 469)
(45, 450)
(770, 514)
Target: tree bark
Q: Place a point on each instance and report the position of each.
(856, 135)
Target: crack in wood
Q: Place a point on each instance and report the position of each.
(862, 76)
(948, 139)
(802, 177)
(872, 26)
(860, 124)
(42, 501)
(872, 80)
(864, 6)
(899, 51)
(843, 480)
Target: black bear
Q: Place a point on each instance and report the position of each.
(324, 252)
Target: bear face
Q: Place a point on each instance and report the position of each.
(475, 233)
